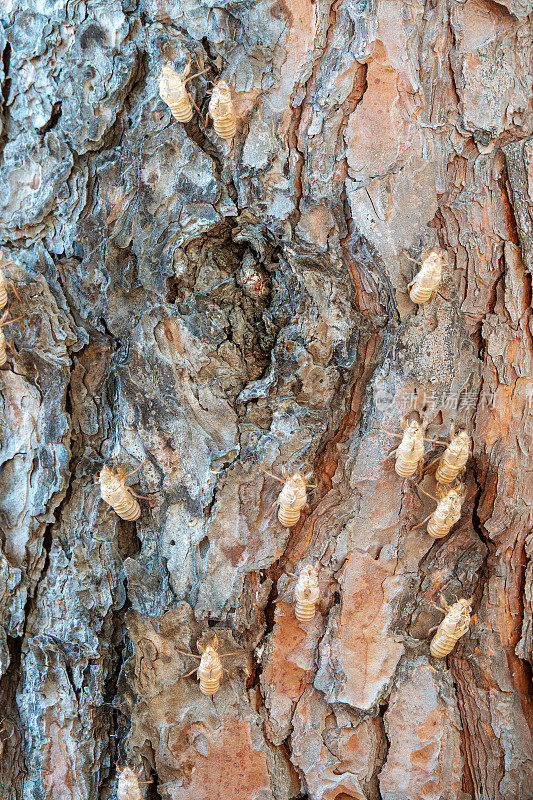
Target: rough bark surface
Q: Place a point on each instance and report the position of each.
(369, 130)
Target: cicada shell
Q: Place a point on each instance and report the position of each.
(428, 278)
(173, 92)
(446, 514)
(410, 450)
(3, 341)
(306, 593)
(116, 494)
(4, 283)
(454, 458)
(454, 625)
(3, 286)
(210, 669)
(222, 111)
(128, 785)
(292, 498)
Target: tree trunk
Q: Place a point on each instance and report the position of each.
(220, 310)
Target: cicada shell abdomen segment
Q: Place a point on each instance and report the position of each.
(454, 625)
(410, 450)
(3, 341)
(428, 279)
(128, 785)
(3, 289)
(173, 92)
(3, 280)
(447, 513)
(4, 283)
(454, 458)
(291, 500)
(117, 495)
(127, 506)
(3, 348)
(222, 111)
(306, 594)
(210, 670)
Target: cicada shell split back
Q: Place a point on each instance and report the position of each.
(454, 625)
(306, 594)
(210, 669)
(428, 279)
(292, 499)
(222, 111)
(410, 450)
(173, 92)
(116, 494)
(447, 513)
(128, 787)
(454, 458)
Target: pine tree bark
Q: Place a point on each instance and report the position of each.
(369, 131)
